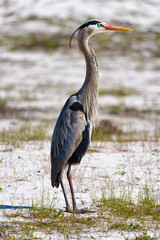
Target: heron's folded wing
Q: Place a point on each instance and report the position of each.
(75, 133)
(67, 136)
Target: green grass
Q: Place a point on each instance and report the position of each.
(108, 42)
(125, 227)
(48, 220)
(3, 105)
(144, 236)
(30, 41)
(17, 135)
(126, 208)
(145, 206)
(105, 131)
(27, 98)
(110, 214)
(122, 110)
(115, 92)
(108, 131)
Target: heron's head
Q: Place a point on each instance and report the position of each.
(93, 27)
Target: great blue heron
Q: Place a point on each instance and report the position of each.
(72, 132)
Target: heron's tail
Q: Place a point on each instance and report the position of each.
(54, 177)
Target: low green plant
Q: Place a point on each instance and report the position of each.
(125, 227)
(111, 213)
(3, 105)
(123, 173)
(105, 131)
(117, 206)
(30, 41)
(108, 131)
(115, 92)
(126, 208)
(144, 236)
(15, 136)
(49, 220)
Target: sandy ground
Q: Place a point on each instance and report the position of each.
(125, 167)
(26, 173)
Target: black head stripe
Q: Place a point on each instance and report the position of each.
(91, 22)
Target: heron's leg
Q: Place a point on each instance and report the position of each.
(69, 177)
(75, 209)
(68, 209)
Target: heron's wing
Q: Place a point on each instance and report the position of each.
(68, 134)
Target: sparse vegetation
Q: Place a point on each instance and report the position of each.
(122, 110)
(3, 105)
(17, 135)
(108, 131)
(47, 41)
(144, 236)
(126, 208)
(111, 213)
(126, 227)
(116, 92)
(35, 41)
(28, 98)
(105, 132)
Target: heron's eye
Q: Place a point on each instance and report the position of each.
(99, 25)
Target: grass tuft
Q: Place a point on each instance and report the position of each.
(30, 41)
(16, 135)
(108, 131)
(3, 105)
(126, 208)
(126, 227)
(115, 92)
(144, 236)
(111, 214)
(105, 131)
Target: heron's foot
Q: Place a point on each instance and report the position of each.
(76, 210)
(68, 209)
(83, 210)
(79, 211)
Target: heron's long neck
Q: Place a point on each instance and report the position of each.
(89, 90)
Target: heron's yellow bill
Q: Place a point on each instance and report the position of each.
(116, 28)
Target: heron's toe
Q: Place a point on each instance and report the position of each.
(83, 210)
(68, 209)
